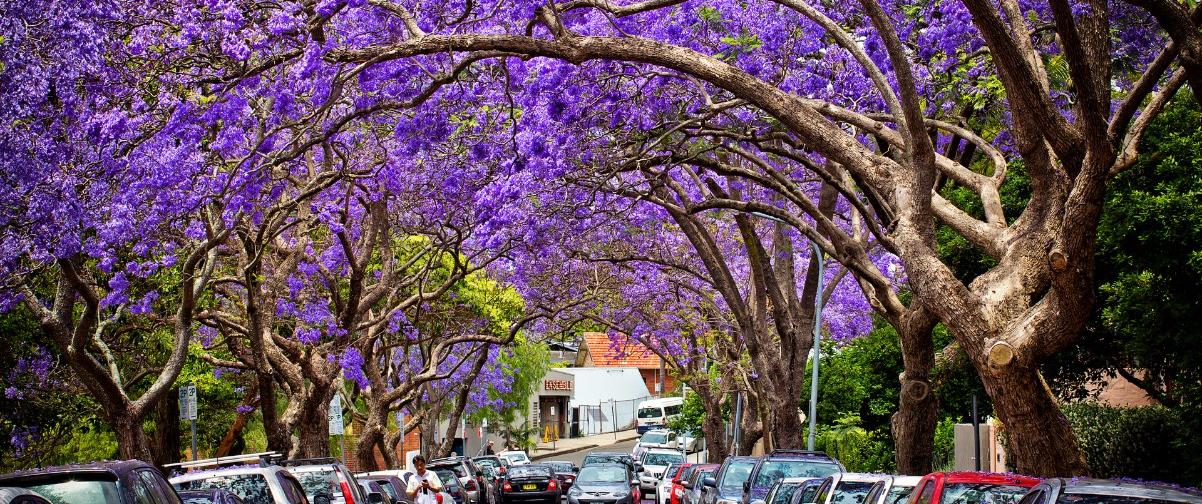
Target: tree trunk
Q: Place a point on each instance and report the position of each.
(276, 431)
(131, 439)
(371, 436)
(918, 407)
(783, 421)
(313, 427)
(715, 433)
(1039, 437)
(166, 445)
(232, 434)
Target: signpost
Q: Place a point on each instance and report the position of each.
(187, 410)
(334, 415)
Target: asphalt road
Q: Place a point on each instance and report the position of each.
(578, 457)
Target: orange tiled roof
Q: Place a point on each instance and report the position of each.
(619, 351)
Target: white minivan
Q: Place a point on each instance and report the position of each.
(654, 414)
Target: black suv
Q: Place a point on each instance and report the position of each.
(471, 478)
(781, 464)
(108, 482)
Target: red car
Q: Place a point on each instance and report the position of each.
(674, 489)
(971, 488)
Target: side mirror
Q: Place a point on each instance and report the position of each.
(746, 486)
(709, 481)
(638, 468)
(322, 498)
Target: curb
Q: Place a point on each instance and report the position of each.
(566, 451)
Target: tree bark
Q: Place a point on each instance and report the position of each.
(1039, 437)
(313, 427)
(165, 448)
(918, 407)
(131, 439)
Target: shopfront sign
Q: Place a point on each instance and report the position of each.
(557, 384)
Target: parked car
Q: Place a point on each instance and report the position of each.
(657, 438)
(375, 493)
(515, 458)
(655, 413)
(892, 490)
(392, 485)
(471, 478)
(10, 495)
(663, 492)
(726, 484)
(690, 441)
(781, 464)
(451, 485)
(807, 493)
(400, 478)
(693, 486)
(530, 483)
(611, 458)
(846, 488)
(782, 492)
(971, 488)
(326, 480)
(604, 483)
(210, 496)
(676, 491)
(654, 462)
(252, 484)
(1093, 491)
(498, 464)
(109, 482)
(565, 471)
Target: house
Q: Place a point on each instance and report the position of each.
(604, 350)
(562, 353)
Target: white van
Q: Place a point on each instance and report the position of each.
(654, 414)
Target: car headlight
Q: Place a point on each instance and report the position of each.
(575, 491)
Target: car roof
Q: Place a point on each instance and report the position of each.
(798, 480)
(988, 477)
(1128, 488)
(662, 450)
(113, 467)
(862, 477)
(906, 480)
(225, 471)
(658, 431)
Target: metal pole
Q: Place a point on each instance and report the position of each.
(738, 420)
(194, 440)
(817, 348)
(976, 434)
(613, 420)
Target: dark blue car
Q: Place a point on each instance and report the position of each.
(108, 482)
(726, 485)
(781, 464)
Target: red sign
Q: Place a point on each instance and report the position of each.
(557, 384)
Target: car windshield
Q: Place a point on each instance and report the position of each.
(386, 486)
(456, 468)
(488, 463)
(315, 482)
(736, 474)
(564, 467)
(602, 474)
(76, 488)
(517, 457)
(447, 476)
(898, 494)
(784, 492)
(529, 471)
(252, 488)
(775, 470)
(981, 493)
(662, 459)
(651, 412)
(593, 459)
(851, 492)
(1078, 498)
(654, 437)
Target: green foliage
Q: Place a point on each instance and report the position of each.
(855, 447)
(944, 452)
(692, 412)
(1144, 443)
(525, 363)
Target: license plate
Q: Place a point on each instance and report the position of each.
(529, 486)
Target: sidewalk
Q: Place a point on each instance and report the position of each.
(565, 446)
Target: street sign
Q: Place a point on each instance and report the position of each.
(335, 416)
(187, 402)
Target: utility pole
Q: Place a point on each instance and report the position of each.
(817, 340)
(976, 434)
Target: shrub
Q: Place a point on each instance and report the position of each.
(1150, 442)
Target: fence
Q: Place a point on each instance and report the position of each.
(607, 416)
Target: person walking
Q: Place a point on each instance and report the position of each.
(424, 486)
(488, 450)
